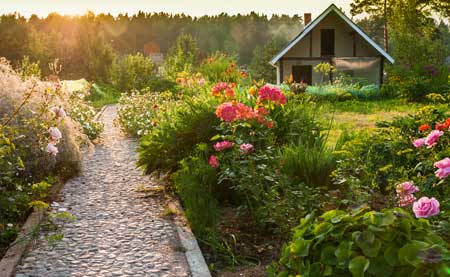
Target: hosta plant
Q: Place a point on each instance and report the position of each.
(363, 243)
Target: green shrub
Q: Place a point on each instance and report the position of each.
(28, 69)
(195, 183)
(132, 72)
(220, 68)
(179, 130)
(363, 243)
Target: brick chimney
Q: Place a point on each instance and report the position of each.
(307, 18)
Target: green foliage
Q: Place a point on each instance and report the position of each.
(182, 56)
(196, 183)
(363, 243)
(138, 113)
(132, 72)
(260, 69)
(28, 69)
(220, 68)
(326, 69)
(343, 92)
(179, 130)
(101, 95)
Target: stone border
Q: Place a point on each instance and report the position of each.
(193, 253)
(14, 253)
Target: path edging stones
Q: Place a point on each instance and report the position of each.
(14, 253)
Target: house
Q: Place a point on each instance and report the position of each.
(334, 38)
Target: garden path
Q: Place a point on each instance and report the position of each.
(117, 232)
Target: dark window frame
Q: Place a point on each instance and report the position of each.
(327, 42)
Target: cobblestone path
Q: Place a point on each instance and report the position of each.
(117, 232)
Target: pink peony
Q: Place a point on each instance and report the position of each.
(52, 149)
(55, 134)
(227, 111)
(58, 111)
(432, 139)
(419, 142)
(220, 146)
(426, 207)
(406, 188)
(443, 168)
(213, 162)
(246, 148)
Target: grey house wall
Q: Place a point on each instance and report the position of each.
(352, 53)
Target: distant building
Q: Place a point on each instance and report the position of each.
(332, 37)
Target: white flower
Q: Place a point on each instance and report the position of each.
(55, 134)
(10, 225)
(52, 149)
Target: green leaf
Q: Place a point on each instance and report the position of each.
(300, 247)
(408, 253)
(380, 219)
(367, 242)
(358, 265)
(378, 267)
(328, 271)
(322, 228)
(216, 137)
(327, 255)
(344, 251)
(391, 255)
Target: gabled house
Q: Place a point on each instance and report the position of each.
(334, 38)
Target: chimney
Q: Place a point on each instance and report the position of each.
(307, 18)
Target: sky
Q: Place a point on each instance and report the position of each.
(191, 7)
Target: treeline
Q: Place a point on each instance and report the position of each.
(82, 43)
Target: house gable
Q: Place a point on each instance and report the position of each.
(335, 19)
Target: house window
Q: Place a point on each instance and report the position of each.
(327, 42)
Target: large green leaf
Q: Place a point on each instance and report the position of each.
(322, 228)
(408, 253)
(327, 255)
(358, 265)
(300, 247)
(367, 242)
(391, 255)
(380, 219)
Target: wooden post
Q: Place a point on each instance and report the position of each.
(354, 43)
(281, 70)
(381, 70)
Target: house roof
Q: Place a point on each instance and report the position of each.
(308, 28)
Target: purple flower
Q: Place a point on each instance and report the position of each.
(426, 207)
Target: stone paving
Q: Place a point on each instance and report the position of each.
(117, 232)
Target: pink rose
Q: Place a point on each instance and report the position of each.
(55, 134)
(432, 139)
(246, 148)
(419, 142)
(52, 149)
(443, 168)
(426, 207)
(58, 111)
(220, 146)
(406, 188)
(213, 162)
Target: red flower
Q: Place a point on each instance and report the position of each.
(440, 126)
(424, 127)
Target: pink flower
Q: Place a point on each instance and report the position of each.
(220, 146)
(426, 207)
(419, 142)
(52, 149)
(432, 139)
(246, 148)
(58, 111)
(443, 168)
(213, 162)
(273, 94)
(225, 88)
(227, 111)
(55, 134)
(406, 188)
(406, 200)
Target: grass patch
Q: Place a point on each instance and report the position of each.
(101, 95)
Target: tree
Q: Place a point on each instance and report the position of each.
(182, 56)
(260, 67)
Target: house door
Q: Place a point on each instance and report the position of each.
(327, 42)
(302, 74)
